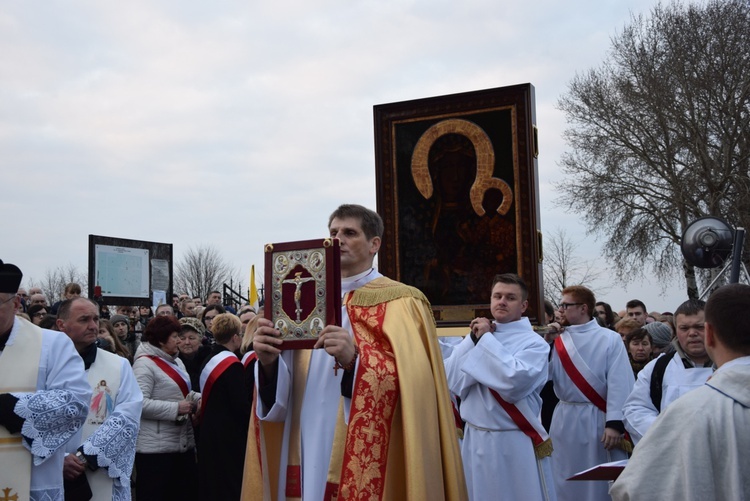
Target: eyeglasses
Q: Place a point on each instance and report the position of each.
(9, 299)
(565, 306)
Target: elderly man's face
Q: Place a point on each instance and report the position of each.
(38, 299)
(164, 310)
(9, 303)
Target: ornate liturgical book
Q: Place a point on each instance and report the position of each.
(303, 289)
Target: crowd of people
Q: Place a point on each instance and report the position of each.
(197, 400)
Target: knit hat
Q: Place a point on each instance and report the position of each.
(119, 318)
(660, 333)
(10, 278)
(193, 323)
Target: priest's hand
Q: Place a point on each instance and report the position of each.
(72, 467)
(611, 438)
(338, 343)
(265, 343)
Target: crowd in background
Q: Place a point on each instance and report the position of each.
(175, 449)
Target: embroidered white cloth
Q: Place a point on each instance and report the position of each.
(113, 442)
(55, 412)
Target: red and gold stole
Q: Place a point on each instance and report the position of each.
(365, 453)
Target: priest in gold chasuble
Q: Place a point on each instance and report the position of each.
(367, 414)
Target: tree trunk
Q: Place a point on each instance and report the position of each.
(692, 284)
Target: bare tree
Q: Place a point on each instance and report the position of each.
(562, 267)
(55, 279)
(660, 134)
(202, 270)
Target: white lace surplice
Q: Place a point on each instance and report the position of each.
(113, 443)
(54, 413)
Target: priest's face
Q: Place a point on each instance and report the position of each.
(507, 303)
(357, 252)
(8, 304)
(81, 324)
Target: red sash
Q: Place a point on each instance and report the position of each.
(523, 424)
(249, 357)
(457, 419)
(212, 371)
(572, 371)
(171, 372)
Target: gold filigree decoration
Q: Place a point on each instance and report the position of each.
(485, 153)
(269, 248)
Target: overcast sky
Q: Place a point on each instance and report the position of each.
(241, 123)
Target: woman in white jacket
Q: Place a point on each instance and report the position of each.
(165, 458)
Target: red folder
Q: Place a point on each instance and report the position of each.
(604, 471)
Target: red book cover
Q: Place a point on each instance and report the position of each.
(604, 471)
(303, 289)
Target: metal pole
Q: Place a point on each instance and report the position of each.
(739, 241)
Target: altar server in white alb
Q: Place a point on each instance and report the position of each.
(699, 447)
(104, 450)
(592, 378)
(43, 400)
(669, 377)
(498, 372)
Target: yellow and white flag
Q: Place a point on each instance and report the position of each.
(253, 292)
